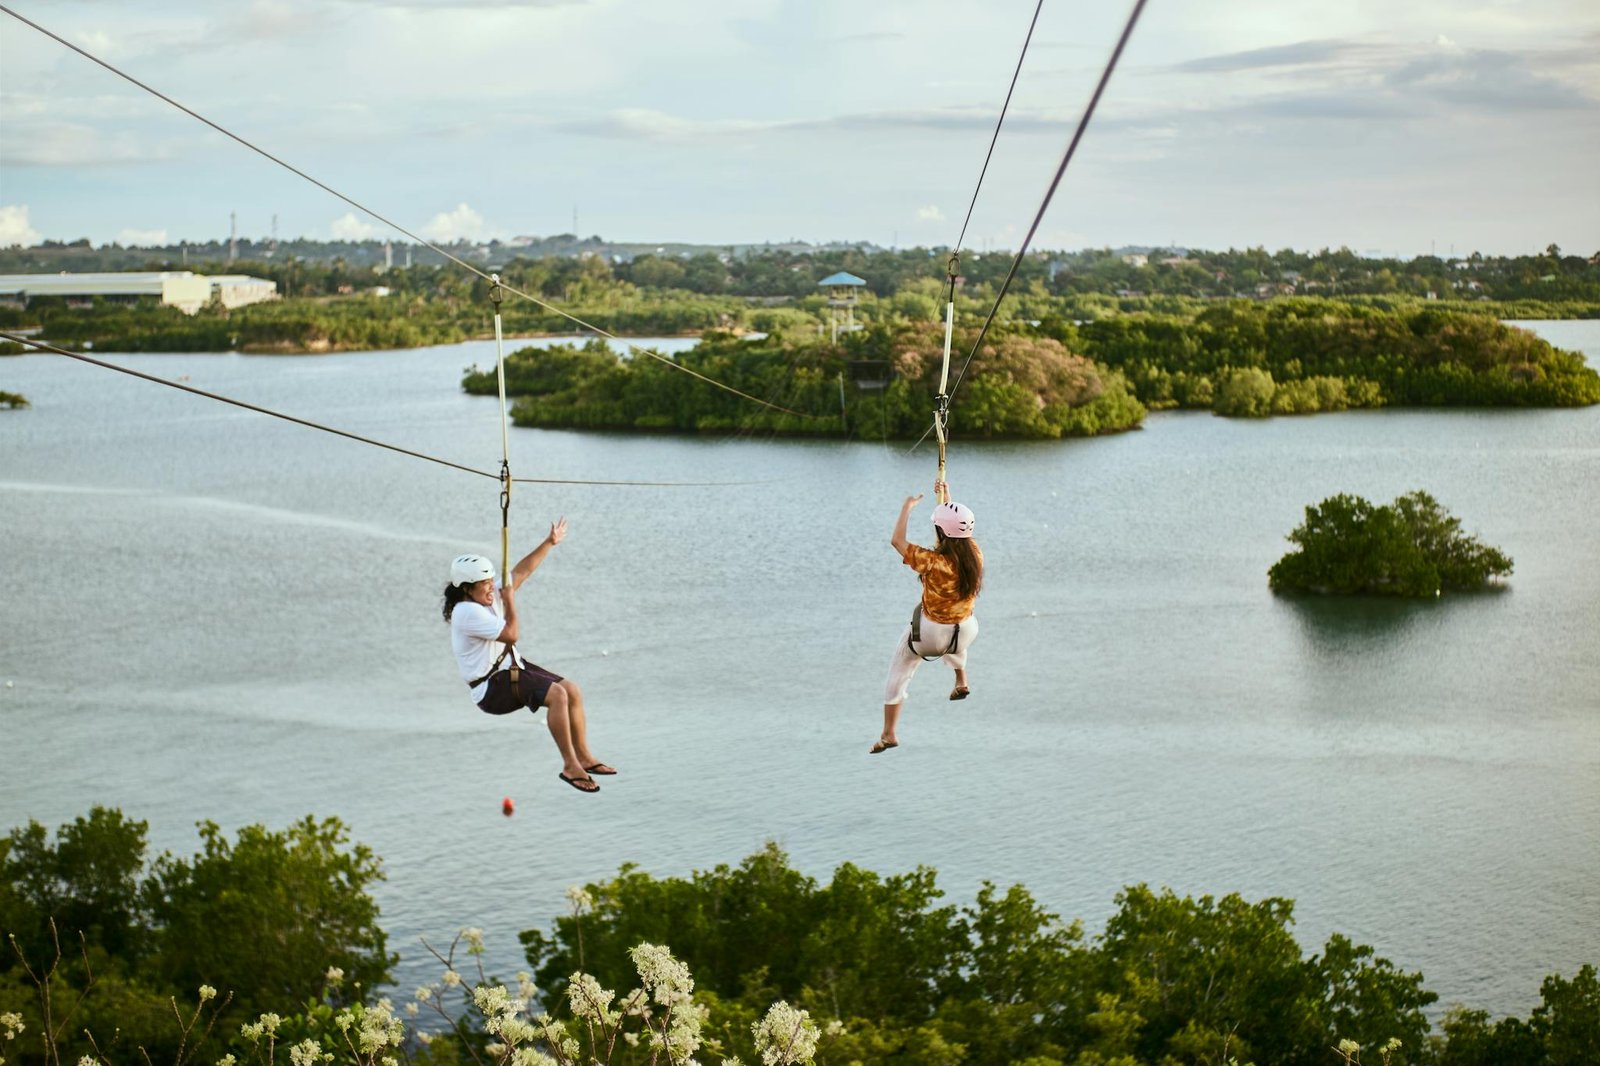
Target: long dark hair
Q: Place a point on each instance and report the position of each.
(969, 567)
(453, 594)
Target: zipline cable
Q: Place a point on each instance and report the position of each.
(308, 423)
(1072, 148)
(941, 412)
(369, 211)
(998, 123)
(1022, 250)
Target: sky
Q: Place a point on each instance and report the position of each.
(1394, 128)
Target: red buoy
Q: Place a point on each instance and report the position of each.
(507, 808)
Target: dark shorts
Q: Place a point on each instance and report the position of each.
(533, 685)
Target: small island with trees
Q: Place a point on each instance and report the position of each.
(1411, 547)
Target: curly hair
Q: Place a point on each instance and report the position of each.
(453, 594)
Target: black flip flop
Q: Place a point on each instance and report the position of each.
(600, 768)
(960, 693)
(882, 746)
(577, 783)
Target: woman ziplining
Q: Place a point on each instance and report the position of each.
(953, 573)
(942, 625)
(481, 617)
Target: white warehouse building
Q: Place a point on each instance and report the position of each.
(183, 289)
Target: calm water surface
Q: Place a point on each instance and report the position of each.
(259, 604)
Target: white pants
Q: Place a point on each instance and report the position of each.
(935, 638)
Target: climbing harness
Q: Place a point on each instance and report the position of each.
(916, 638)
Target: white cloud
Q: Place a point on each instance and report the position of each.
(14, 227)
(143, 238)
(72, 144)
(931, 213)
(351, 228)
(462, 224)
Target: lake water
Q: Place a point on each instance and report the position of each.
(260, 603)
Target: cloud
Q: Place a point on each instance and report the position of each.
(143, 238)
(634, 124)
(1492, 80)
(871, 36)
(643, 123)
(462, 224)
(1301, 53)
(486, 5)
(351, 228)
(931, 213)
(70, 144)
(14, 227)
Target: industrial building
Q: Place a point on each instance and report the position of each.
(183, 289)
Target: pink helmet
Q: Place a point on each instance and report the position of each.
(954, 520)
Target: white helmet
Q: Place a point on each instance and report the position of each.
(954, 520)
(470, 569)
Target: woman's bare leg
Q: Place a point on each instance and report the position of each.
(580, 725)
(559, 718)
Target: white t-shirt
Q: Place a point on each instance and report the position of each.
(473, 629)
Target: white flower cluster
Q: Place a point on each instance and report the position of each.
(502, 1015)
(554, 1033)
(266, 1025)
(13, 1023)
(661, 975)
(682, 1038)
(374, 1028)
(207, 993)
(334, 976)
(785, 1036)
(580, 899)
(474, 939)
(308, 1053)
(589, 1001)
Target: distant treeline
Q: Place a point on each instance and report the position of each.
(1303, 355)
(1059, 378)
(308, 268)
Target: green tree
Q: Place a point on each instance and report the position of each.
(1411, 547)
(265, 916)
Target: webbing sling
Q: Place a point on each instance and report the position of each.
(916, 638)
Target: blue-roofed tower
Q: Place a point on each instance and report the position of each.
(842, 289)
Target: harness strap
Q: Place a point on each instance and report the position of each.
(916, 638)
(513, 670)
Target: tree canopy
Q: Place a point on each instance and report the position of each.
(1411, 547)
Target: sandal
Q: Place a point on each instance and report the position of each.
(960, 692)
(882, 746)
(600, 768)
(579, 783)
